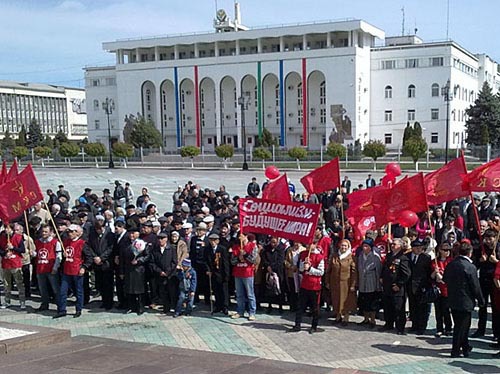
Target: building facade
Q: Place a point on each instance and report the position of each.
(53, 108)
(307, 84)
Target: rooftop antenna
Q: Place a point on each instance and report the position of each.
(403, 23)
(448, 20)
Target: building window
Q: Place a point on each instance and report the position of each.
(411, 114)
(110, 81)
(95, 82)
(388, 92)
(435, 90)
(388, 64)
(97, 124)
(277, 95)
(277, 117)
(435, 114)
(299, 94)
(300, 116)
(411, 91)
(388, 138)
(436, 61)
(388, 116)
(322, 116)
(322, 93)
(411, 63)
(434, 137)
(96, 104)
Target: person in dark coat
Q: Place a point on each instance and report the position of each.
(133, 262)
(101, 242)
(198, 244)
(253, 188)
(395, 275)
(420, 280)
(273, 261)
(219, 270)
(164, 265)
(461, 279)
(121, 244)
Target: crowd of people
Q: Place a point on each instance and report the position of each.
(118, 247)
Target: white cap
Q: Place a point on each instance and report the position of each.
(187, 225)
(208, 219)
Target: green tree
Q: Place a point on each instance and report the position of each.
(60, 138)
(417, 130)
(408, 132)
(267, 139)
(7, 142)
(190, 151)
(20, 152)
(261, 153)
(415, 148)
(42, 152)
(483, 123)
(335, 150)
(144, 133)
(47, 142)
(297, 153)
(374, 149)
(34, 136)
(95, 150)
(68, 150)
(224, 151)
(123, 150)
(21, 137)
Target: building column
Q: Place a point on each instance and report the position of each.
(216, 47)
(282, 44)
(304, 42)
(328, 40)
(196, 50)
(176, 52)
(259, 45)
(157, 53)
(237, 47)
(349, 39)
(137, 55)
(354, 38)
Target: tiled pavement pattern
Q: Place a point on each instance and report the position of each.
(267, 337)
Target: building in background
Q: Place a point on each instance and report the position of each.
(307, 84)
(54, 108)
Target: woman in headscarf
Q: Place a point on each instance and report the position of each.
(369, 269)
(342, 279)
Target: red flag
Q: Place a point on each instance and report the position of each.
(407, 194)
(324, 178)
(362, 225)
(446, 183)
(19, 194)
(277, 190)
(13, 172)
(485, 178)
(367, 203)
(3, 173)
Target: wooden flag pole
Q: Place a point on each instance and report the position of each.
(55, 229)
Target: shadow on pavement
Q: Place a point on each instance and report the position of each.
(475, 368)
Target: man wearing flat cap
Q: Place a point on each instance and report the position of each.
(119, 195)
(218, 268)
(199, 243)
(420, 266)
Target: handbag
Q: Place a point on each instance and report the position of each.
(430, 294)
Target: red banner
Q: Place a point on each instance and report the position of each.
(485, 178)
(446, 183)
(324, 178)
(407, 194)
(277, 190)
(294, 221)
(19, 194)
(367, 203)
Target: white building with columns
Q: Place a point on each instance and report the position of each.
(307, 84)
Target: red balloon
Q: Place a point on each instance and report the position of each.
(388, 181)
(393, 169)
(272, 172)
(408, 218)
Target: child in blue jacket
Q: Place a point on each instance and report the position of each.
(187, 288)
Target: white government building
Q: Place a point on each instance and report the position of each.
(54, 108)
(307, 84)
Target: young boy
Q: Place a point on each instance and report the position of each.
(187, 288)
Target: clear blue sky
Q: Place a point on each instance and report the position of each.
(51, 41)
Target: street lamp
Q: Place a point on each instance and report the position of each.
(109, 106)
(445, 92)
(243, 102)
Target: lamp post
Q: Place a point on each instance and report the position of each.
(243, 102)
(445, 92)
(109, 105)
